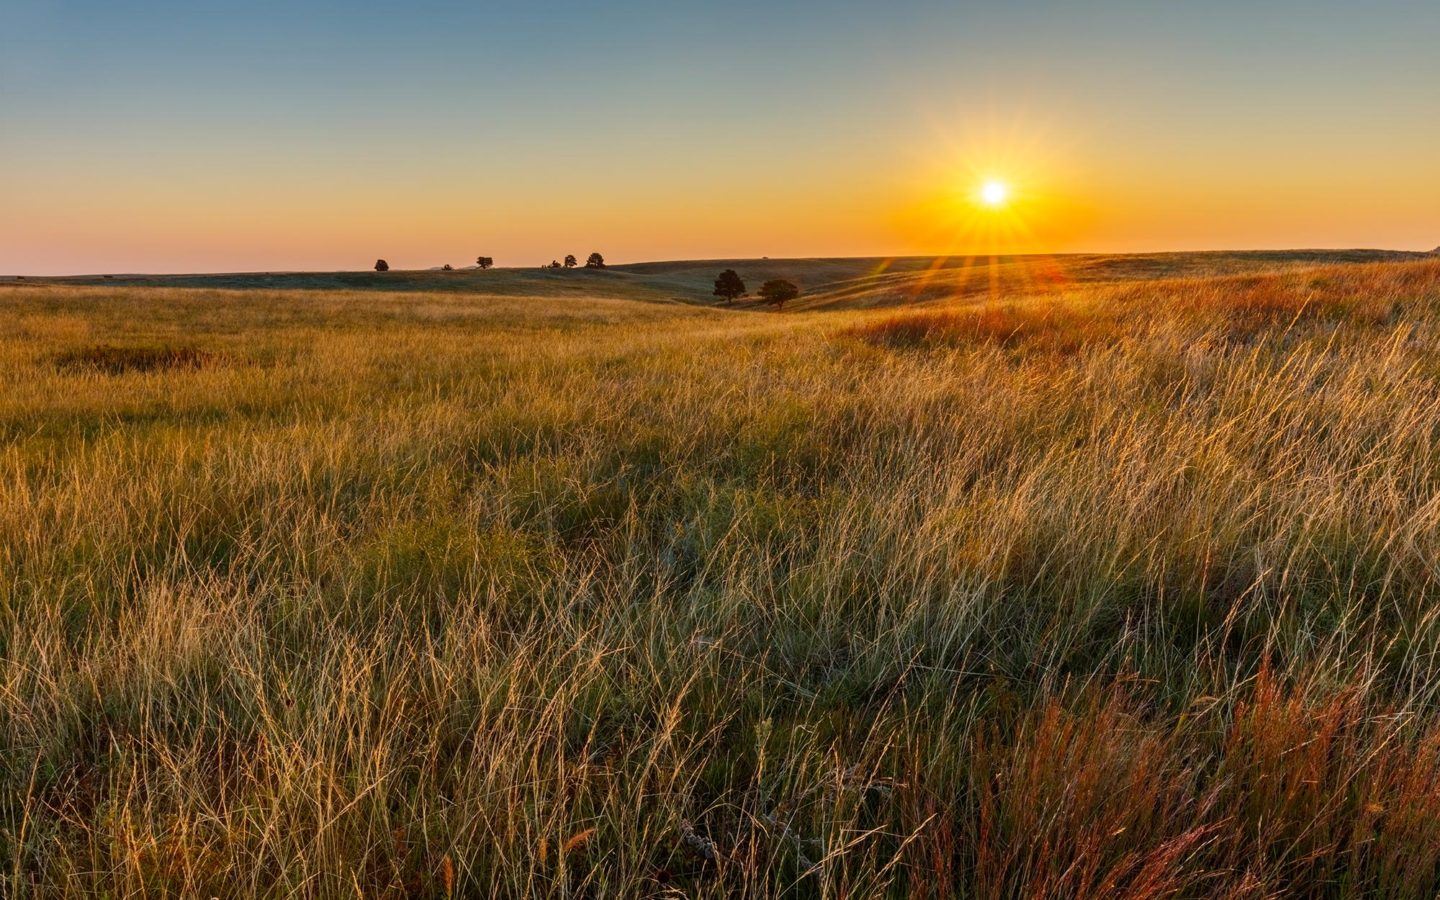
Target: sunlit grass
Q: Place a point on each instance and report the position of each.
(1085, 591)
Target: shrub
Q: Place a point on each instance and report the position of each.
(1037, 326)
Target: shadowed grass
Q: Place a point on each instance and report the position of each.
(118, 360)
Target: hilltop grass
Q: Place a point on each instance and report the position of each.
(1113, 590)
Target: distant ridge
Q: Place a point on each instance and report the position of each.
(835, 283)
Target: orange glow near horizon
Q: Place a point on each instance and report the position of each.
(1004, 193)
(1006, 188)
(1033, 184)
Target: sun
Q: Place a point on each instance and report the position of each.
(994, 193)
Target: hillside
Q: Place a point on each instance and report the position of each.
(828, 283)
(1123, 587)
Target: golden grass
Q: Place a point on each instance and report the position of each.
(1117, 590)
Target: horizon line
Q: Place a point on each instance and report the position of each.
(721, 259)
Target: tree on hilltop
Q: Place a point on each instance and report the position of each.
(777, 291)
(554, 263)
(570, 261)
(447, 268)
(381, 265)
(484, 262)
(729, 286)
(596, 261)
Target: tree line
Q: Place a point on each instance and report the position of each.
(729, 286)
(595, 261)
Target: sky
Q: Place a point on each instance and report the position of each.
(259, 136)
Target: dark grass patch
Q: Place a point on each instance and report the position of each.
(110, 360)
(1045, 328)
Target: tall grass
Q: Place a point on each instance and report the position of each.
(1125, 590)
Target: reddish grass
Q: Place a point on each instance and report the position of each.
(1085, 803)
(1238, 307)
(1282, 792)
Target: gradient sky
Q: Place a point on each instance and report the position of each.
(227, 136)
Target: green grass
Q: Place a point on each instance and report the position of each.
(1120, 584)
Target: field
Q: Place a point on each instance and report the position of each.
(1083, 577)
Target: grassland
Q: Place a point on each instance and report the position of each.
(1116, 579)
(849, 283)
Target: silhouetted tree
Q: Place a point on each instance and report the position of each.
(729, 286)
(570, 261)
(596, 261)
(777, 291)
(447, 268)
(554, 263)
(484, 262)
(381, 265)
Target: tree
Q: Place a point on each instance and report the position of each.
(484, 262)
(596, 261)
(570, 261)
(729, 286)
(554, 263)
(447, 268)
(777, 291)
(381, 265)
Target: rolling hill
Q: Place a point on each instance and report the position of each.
(523, 583)
(840, 283)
